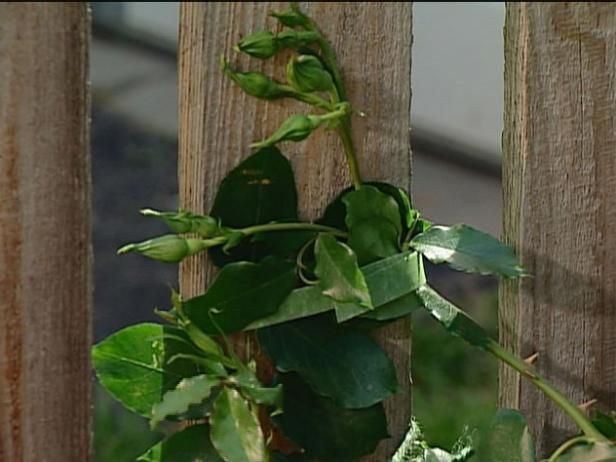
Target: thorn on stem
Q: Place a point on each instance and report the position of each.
(532, 359)
(587, 405)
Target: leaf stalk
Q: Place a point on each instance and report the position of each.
(344, 131)
(291, 227)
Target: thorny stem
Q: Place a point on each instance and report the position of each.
(567, 406)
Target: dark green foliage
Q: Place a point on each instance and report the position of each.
(335, 212)
(452, 318)
(328, 432)
(235, 430)
(373, 220)
(605, 423)
(111, 420)
(337, 362)
(181, 447)
(466, 249)
(313, 291)
(507, 438)
(132, 364)
(389, 281)
(261, 189)
(340, 277)
(242, 293)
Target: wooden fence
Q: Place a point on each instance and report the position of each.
(45, 255)
(206, 155)
(559, 190)
(559, 172)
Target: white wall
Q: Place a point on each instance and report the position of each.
(458, 71)
(457, 65)
(155, 18)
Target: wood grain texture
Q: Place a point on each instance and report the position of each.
(559, 186)
(45, 257)
(218, 122)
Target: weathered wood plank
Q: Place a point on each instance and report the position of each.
(218, 122)
(559, 180)
(45, 256)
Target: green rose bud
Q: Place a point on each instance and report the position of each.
(255, 83)
(291, 18)
(296, 128)
(169, 316)
(264, 45)
(187, 222)
(169, 248)
(307, 74)
(205, 226)
(260, 45)
(204, 342)
(296, 39)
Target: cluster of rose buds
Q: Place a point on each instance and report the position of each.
(308, 77)
(173, 248)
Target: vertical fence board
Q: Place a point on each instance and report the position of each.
(559, 180)
(45, 283)
(218, 122)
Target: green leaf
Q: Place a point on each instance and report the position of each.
(235, 430)
(184, 221)
(261, 189)
(268, 396)
(395, 276)
(397, 308)
(283, 243)
(250, 387)
(507, 439)
(605, 423)
(335, 212)
(452, 318)
(190, 445)
(337, 362)
(208, 366)
(241, 293)
(421, 226)
(407, 213)
(193, 390)
(594, 452)
(467, 249)
(387, 279)
(132, 364)
(327, 432)
(301, 303)
(373, 220)
(339, 275)
(349, 310)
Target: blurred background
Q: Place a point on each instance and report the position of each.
(457, 123)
